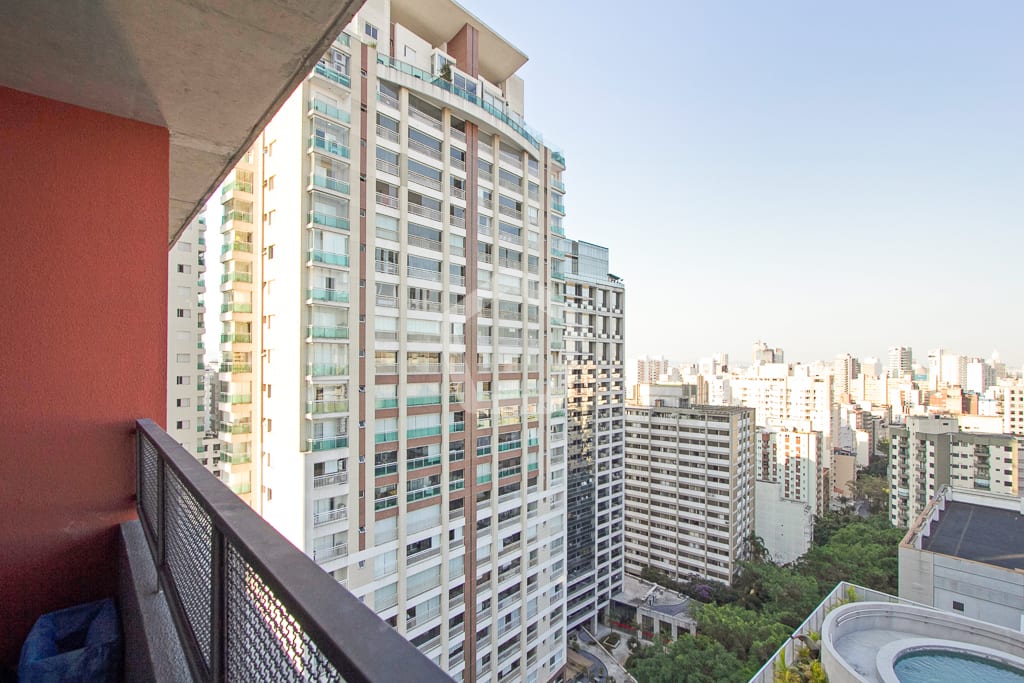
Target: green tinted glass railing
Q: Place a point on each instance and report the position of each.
(483, 479)
(385, 503)
(428, 492)
(420, 463)
(319, 407)
(236, 216)
(323, 332)
(423, 401)
(383, 403)
(457, 427)
(236, 246)
(327, 369)
(330, 110)
(326, 444)
(328, 220)
(333, 295)
(321, 256)
(236, 308)
(331, 147)
(236, 429)
(385, 470)
(241, 488)
(236, 277)
(423, 431)
(332, 75)
(509, 446)
(331, 183)
(236, 339)
(239, 185)
(236, 367)
(384, 437)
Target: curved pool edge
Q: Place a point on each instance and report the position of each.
(885, 661)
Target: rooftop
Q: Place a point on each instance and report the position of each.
(640, 593)
(979, 533)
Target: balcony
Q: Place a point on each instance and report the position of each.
(332, 75)
(328, 516)
(245, 603)
(326, 219)
(322, 407)
(332, 479)
(327, 332)
(334, 296)
(326, 443)
(328, 257)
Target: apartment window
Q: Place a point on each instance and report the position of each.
(410, 53)
(270, 183)
(370, 30)
(185, 246)
(184, 268)
(184, 313)
(182, 380)
(958, 606)
(182, 424)
(183, 402)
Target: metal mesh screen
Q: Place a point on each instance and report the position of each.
(188, 548)
(264, 643)
(148, 481)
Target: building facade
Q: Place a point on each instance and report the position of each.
(928, 453)
(689, 488)
(792, 488)
(186, 375)
(900, 361)
(393, 382)
(595, 367)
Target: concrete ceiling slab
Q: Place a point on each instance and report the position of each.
(212, 72)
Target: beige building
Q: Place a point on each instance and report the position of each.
(394, 387)
(928, 453)
(186, 373)
(689, 488)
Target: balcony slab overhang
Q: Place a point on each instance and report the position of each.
(212, 73)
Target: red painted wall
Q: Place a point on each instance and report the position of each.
(83, 330)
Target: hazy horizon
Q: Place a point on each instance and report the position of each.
(827, 177)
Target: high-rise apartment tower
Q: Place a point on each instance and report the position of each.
(394, 380)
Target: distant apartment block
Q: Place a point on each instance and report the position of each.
(792, 487)
(689, 487)
(649, 369)
(928, 453)
(1013, 409)
(789, 397)
(186, 375)
(900, 361)
(762, 354)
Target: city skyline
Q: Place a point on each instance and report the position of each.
(801, 132)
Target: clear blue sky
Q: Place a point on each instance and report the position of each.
(828, 176)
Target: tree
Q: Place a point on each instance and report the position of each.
(749, 635)
(874, 490)
(688, 660)
(446, 72)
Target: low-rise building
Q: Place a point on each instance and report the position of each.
(965, 554)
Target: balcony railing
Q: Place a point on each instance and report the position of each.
(245, 603)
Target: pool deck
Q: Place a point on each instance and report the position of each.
(860, 649)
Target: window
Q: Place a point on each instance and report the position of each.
(958, 606)
(370, 30)
(183, 358)
(183, 402)
(182, 424)
(184, 268)
(182, 380)
(184, 313)
(410, 53)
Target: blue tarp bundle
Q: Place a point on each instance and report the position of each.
(81, 643)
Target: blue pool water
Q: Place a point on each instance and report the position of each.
(941, 666)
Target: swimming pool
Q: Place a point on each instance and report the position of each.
(944, 666)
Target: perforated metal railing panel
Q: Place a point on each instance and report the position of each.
(188, 548)
(264, 642)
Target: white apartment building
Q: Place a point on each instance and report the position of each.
(649, 369)
(595, 344)
(901, 361)
(928, 453)
(791, 488)
(186, 385)
(393, 388)
(1013, 409)
(787, 397)
(762, 354)
(689, 488)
